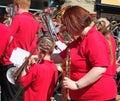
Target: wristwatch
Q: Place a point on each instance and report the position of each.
(77, 85)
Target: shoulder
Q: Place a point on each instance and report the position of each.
(2, 26)
(4, 29)
(16, 18)
(94, 34)
(95, 39)
(22, 15)
(34, 69)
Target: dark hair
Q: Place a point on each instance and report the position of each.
(76, 19)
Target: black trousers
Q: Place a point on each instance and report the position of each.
(105, 100)
(114, 99)
(8, 90)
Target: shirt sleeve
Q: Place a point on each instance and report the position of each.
(4, 38)
(29, 77)
(15, 25)
(97, 50)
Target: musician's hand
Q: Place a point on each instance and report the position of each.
(70, 84)
(32, 60)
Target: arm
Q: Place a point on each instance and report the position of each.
(91, 77)
(25, 70)
(11, 38)
(27, 76)
(32, 61)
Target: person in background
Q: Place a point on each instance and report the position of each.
(4, 39)
(9, 16)
(39, 79)
(23, 31)
(91, 65)
(104, 28)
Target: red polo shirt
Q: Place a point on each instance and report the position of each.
(24, 28)
(4, 38)
(92, 51)
(40, 81)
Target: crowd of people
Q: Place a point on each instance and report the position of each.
(92, 54)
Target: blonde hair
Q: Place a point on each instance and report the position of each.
(24, 3)
(106, 32)
(46, 44)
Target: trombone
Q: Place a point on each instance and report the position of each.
(14, 73)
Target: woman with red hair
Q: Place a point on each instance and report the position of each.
(91, 73)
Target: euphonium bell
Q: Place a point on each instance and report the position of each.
(10, 74)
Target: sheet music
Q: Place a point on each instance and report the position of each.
(61, 45)
(18, 56)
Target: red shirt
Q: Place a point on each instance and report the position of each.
(4, 38)
(40, 81)
(24, 28)
(87, 52)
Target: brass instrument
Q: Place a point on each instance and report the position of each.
(65, 92)
(45, 44)
(48, 24)
(104, 26)
(9, 15)
(14, 72)
(49, 28)
(64, 34)
(44, 17)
